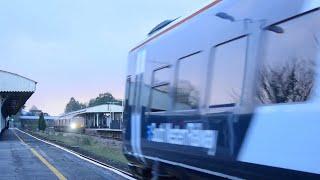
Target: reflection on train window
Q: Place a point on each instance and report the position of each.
(132, 89)
(161, 76)
(228, 73)
(191, 74)
(287, 74)
(128, 84)
(160, 90)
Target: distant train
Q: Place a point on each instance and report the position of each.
(230, 91)
(70, 124)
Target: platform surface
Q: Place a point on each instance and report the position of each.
(18, 160)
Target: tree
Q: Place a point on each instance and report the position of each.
(104, 98)
(42, 123)
(74, 105)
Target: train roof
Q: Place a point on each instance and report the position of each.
(173, 25)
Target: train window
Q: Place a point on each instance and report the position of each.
(160, 90)
(287, 72)
(228, 73)
(190, 78)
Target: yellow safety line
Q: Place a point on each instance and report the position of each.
(43, 160)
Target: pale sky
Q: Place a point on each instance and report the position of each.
(77, 48)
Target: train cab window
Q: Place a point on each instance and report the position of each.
(160, 90)
(288, 68)
(190, 78)
(228, 69)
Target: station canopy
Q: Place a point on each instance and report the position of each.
(15, 90)
(105, 108)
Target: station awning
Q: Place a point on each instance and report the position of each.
(15, 90)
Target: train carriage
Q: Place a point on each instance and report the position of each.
(230, 91)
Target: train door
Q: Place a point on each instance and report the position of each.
(137, 106)
(226, 79)
(230, 99)
(133, 109)
(127, 114)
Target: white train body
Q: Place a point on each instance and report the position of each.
(232, 91)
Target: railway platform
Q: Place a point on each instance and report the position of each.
(24, 157)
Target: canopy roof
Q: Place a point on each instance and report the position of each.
(15, 90)
(10, 82)
(106, 108)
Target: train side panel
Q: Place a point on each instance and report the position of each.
(177, 116)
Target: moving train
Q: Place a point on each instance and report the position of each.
(231, 91)
(70, 123)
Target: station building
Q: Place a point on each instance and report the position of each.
(107, 116)
(15, 90)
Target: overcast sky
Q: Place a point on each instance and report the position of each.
(77, 48)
